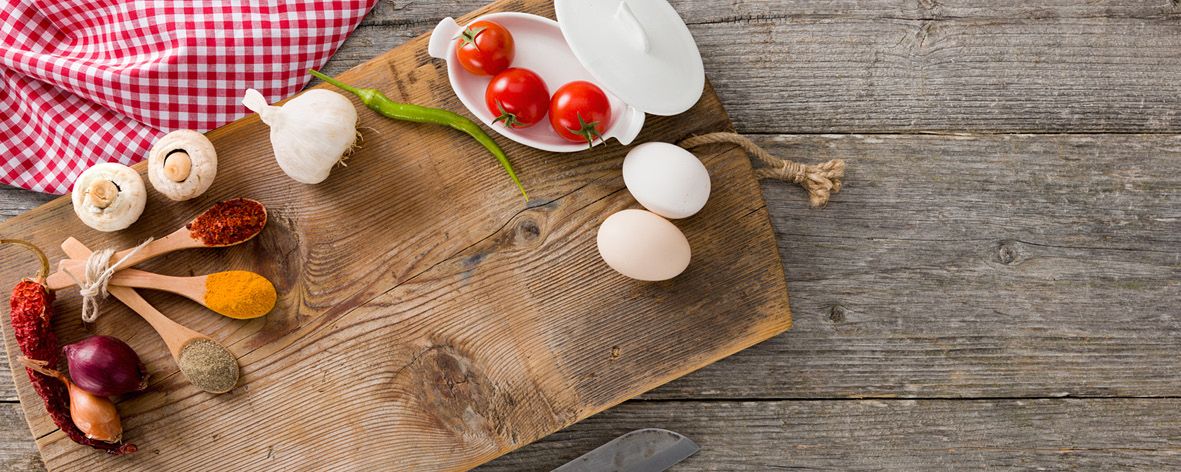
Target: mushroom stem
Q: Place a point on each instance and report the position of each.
(177, 166)
(102, 193)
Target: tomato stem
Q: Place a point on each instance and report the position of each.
(510, 120)
(588, 131)
(469, 36)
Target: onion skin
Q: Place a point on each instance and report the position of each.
(105, 366)
(95, 415)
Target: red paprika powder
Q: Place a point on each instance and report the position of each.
(229, 222)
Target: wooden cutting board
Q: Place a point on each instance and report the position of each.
(428, 319)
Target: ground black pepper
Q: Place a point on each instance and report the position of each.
(208, 365)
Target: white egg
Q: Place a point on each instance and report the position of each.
(643, 246)
(666, 179)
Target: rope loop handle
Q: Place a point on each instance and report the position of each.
(99, 270)
(820, 180)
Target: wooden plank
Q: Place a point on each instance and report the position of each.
(14, 201)
(985, 75)
(18, 452)
(427, 316)
(390, 12)
(910, 435)
(974, 266)
(825, 74)
(1088, 434)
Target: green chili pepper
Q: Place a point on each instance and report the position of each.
(378, 102)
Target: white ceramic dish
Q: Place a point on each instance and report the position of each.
(541, 48)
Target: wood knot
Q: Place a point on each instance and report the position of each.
(278, 252)
(838, 314)
(455, 393)
(528, 229)
(474, 260)
(278, 255)
(1007, 252)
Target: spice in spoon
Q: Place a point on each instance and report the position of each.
(31, 312)
(388, 108)
(239, 294)
(208, 365)
(229, 222)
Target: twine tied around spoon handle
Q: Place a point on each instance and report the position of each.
(99, 271)
(820, 180)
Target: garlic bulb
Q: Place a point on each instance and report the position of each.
(182, 164)
(109, 196)
(310, 133)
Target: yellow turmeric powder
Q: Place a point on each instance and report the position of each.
(239, 294)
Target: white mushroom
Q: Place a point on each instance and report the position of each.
(182, 164)
(109, 196)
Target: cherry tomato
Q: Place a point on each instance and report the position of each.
(518, 97)
(485, 48)
(580, 112)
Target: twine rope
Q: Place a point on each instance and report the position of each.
(820, 180)
(99, 270)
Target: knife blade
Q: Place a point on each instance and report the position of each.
(642, 450)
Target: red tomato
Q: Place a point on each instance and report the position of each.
(485, 48)
(580, 112)
(518, 97)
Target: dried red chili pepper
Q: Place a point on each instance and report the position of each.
(32, 313)
(229, 222)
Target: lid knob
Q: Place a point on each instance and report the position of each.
(640, 51)
(639, 37)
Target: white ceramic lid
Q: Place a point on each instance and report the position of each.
(639, 50)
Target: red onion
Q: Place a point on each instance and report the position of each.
(105, 365)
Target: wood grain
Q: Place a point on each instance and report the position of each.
(1069, 324)
(1048, 267)
(427, 315)
(911, 435)
(1075, 434)
(974, 266)
(816, 67)
(412, 13)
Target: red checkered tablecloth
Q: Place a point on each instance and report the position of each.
(87, 81)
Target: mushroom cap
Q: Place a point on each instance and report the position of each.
(201, 174)
(127, 205)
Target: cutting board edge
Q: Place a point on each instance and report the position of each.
(783, 327)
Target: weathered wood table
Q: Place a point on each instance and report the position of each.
(999, 283)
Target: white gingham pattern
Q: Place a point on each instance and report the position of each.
(87, 81)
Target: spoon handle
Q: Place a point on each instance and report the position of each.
(179, 239)
(174, 334)
(192, 288)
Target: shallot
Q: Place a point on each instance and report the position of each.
(94, 415)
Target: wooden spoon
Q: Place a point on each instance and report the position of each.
(187, 237)
(175, 335)
(252, 295)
